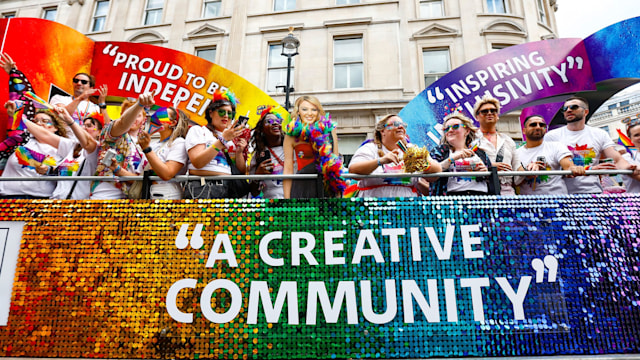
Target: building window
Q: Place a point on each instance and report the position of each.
(208, 54)
(542, 12)
(431, 8)
(497, 47)
(211, 8)
(436, 65)
(605, 128)
(282, 5)
(153, 12)
(8, 15)
(100, 16)
(277, 69)
(347, 2)
(497, 6)
(50, 13)
(348, 64)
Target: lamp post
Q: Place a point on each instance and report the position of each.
(289, 49)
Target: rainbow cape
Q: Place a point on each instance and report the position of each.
(29, 158)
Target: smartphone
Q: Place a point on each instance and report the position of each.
(242, 121)
(262, 156)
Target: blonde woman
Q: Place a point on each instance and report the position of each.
(383, 156)
(311, 139)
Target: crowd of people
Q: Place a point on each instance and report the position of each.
(76, 137)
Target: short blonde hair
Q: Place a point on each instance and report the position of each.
(486, 100)
(312, 99)
(473, 130)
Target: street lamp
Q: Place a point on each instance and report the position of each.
(289, 49)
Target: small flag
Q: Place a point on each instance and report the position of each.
(38, 100)
(68, 167)
(18, 120)
(29, 158)
(624, 140)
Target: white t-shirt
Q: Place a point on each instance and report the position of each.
(383, 187)
(466, 183)
(175, 152)
(82, 190)
(272, 189)
(84, 108)
(632, 185)
(506, 147)
(32, 188)
(586, 146)
(202, 135)
(553, 152)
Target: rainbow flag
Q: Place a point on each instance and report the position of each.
(18, 120)
(37, 100)
(68, 167)
(159, 118)
(624, 140)
(29, 158)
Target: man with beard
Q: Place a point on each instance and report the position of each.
(587, 145)
(538, 154)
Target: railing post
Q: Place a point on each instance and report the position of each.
(495, 179)
(146, 185)
(320, 185)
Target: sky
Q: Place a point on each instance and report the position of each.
(581, 18)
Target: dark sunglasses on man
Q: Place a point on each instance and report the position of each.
(573, 107)
(487, 111)
(83, 82)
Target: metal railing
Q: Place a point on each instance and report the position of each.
(493, 174)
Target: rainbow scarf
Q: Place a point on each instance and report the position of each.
(29, 158)
(328, 163)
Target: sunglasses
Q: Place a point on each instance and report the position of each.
(223, 113)
(396, 124)
(573, 107)
(273, 122)
(488, 111)
(454, 127)
(537, 124)
(83, 82)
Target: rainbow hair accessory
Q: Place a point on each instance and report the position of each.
(96, 115)
(328, 163)
(226, 95)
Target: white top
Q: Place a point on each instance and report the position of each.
(553, 152)
(176, 152)
(32, 188)
(82, 190)
(383, 187)
(272, 189)
(509, 156)
(455, 183)
(586, 146)
(84, 108)
(202, 135)
(632, 185)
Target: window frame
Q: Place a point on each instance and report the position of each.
(335, 63)
(441, 2)
(285, 5)
(147, 11)
(348, 2)
(9, 15)
(208, 48)
(46, 10)
(491, 4)
(96, 16)
(542, 12)
(280, 67)
(204, 8)
(438, 74)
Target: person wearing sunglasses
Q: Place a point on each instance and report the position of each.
(208, 146)
(457, 153)
(632, 183)
(268, 154)
(588, 144)
(500, 148)
(383, 156)
(79, 105)
(539, 154)
(168, 156)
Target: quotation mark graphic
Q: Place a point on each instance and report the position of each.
(439, 95)
(577, 60)
(196, 240)
(549, 262)
(113, 51)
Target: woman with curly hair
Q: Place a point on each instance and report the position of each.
(268, 154)
(456, 153)
(384, 156)
(311, 139)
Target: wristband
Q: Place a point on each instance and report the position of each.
(379, 163)
(102, 106)
(142, 106)
(117, 169)
(216, 149)
(147, 150)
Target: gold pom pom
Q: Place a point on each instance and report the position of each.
(416, 159)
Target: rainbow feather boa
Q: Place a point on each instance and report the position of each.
(328, 163)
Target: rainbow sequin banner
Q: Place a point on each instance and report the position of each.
(335, 278)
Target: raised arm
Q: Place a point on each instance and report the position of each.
(122, 125)
(86, 141)
(167, 170)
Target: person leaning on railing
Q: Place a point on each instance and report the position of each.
(632, 183)
(268, 154)
(383, 156)
(457, 153)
